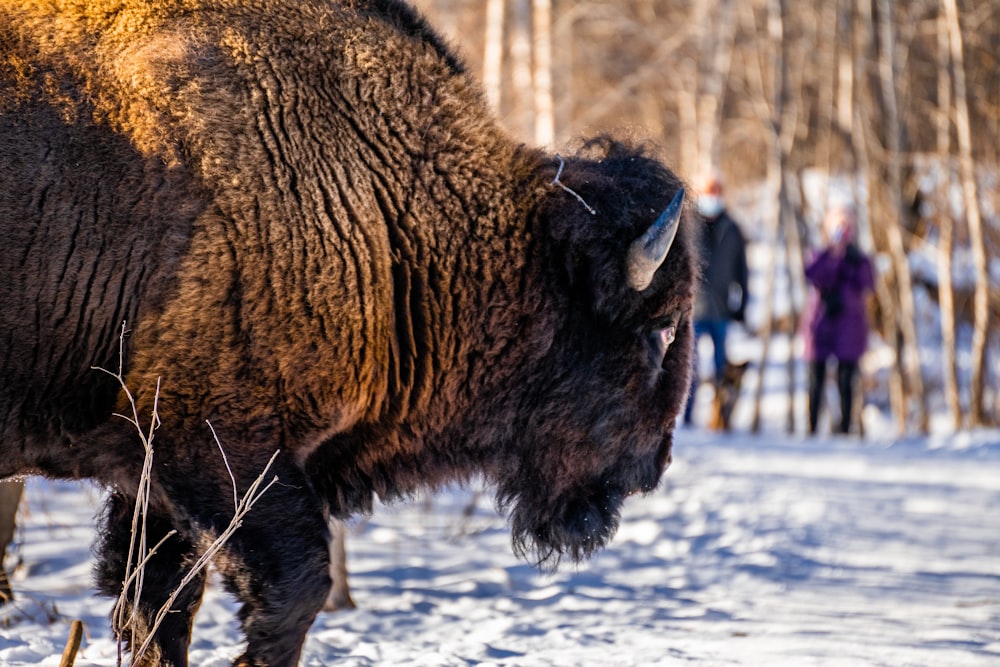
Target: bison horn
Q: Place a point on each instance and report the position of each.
(646, 254)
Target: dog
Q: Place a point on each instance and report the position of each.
(727, 390)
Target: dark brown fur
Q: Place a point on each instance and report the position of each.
(322, 243)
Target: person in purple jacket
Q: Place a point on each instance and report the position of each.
(836, 319)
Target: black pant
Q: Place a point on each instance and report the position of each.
(847, 372)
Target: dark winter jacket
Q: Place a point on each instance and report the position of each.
(722, 294)
(836, 319)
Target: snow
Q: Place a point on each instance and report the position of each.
(754, 551)
(777, 550)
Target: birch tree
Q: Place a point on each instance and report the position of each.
(522, 94)
(716, 31)
(541, 23)
(778, 111)
(493, 52)
(946, 226)
(892, 224)
(973, 215)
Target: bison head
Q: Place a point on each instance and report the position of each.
(595, 410)
(579, 362)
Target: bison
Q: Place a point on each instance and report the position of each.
(322, 243)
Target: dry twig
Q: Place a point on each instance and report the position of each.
(72, 644)
(121, 618)
(556, 181)
(245, 504)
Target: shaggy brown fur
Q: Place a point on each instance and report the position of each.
(321, 242)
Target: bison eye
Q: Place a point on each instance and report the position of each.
(660, 340)
(667, 336)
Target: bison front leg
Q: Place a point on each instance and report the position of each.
(162, 574)
(277, 565)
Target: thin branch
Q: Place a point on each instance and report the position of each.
(140, 566)
(122, 618)
(556, 181)
(134, 572)
(225, 459)
(251, 497)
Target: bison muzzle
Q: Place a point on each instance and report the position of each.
(323, 244)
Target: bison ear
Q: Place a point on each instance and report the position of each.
(646, 254)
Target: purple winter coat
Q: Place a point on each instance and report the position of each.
(836, 319)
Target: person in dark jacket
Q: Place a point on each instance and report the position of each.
(722, 292)
(836, 320)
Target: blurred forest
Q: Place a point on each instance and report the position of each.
(893, 105)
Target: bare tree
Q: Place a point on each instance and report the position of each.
(785, 115)
(845, 68)
(946, 227)
(888, 74)
(863, 47)
(972, 212)
(717, 30)
(493, 52)
(778, 111)
(522, 94)
(687, 115)
(545, 130)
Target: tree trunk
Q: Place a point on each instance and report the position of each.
(946, 229)
(687, 117)
(973, 216)
(522, 108)
(785, 110)
(779, 112)
(10, 499)
(769, 107)
(796, 272)
(766, 331)
(545, 131)
(493, 52)
(563, 48)
(826, 103)
(686, 97)
(893, 224)
(845, 69)
(864, 113)
(717, 29)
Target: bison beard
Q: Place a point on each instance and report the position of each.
(323, 243)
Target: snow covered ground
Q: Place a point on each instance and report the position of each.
(754, 551)
(766, 550)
